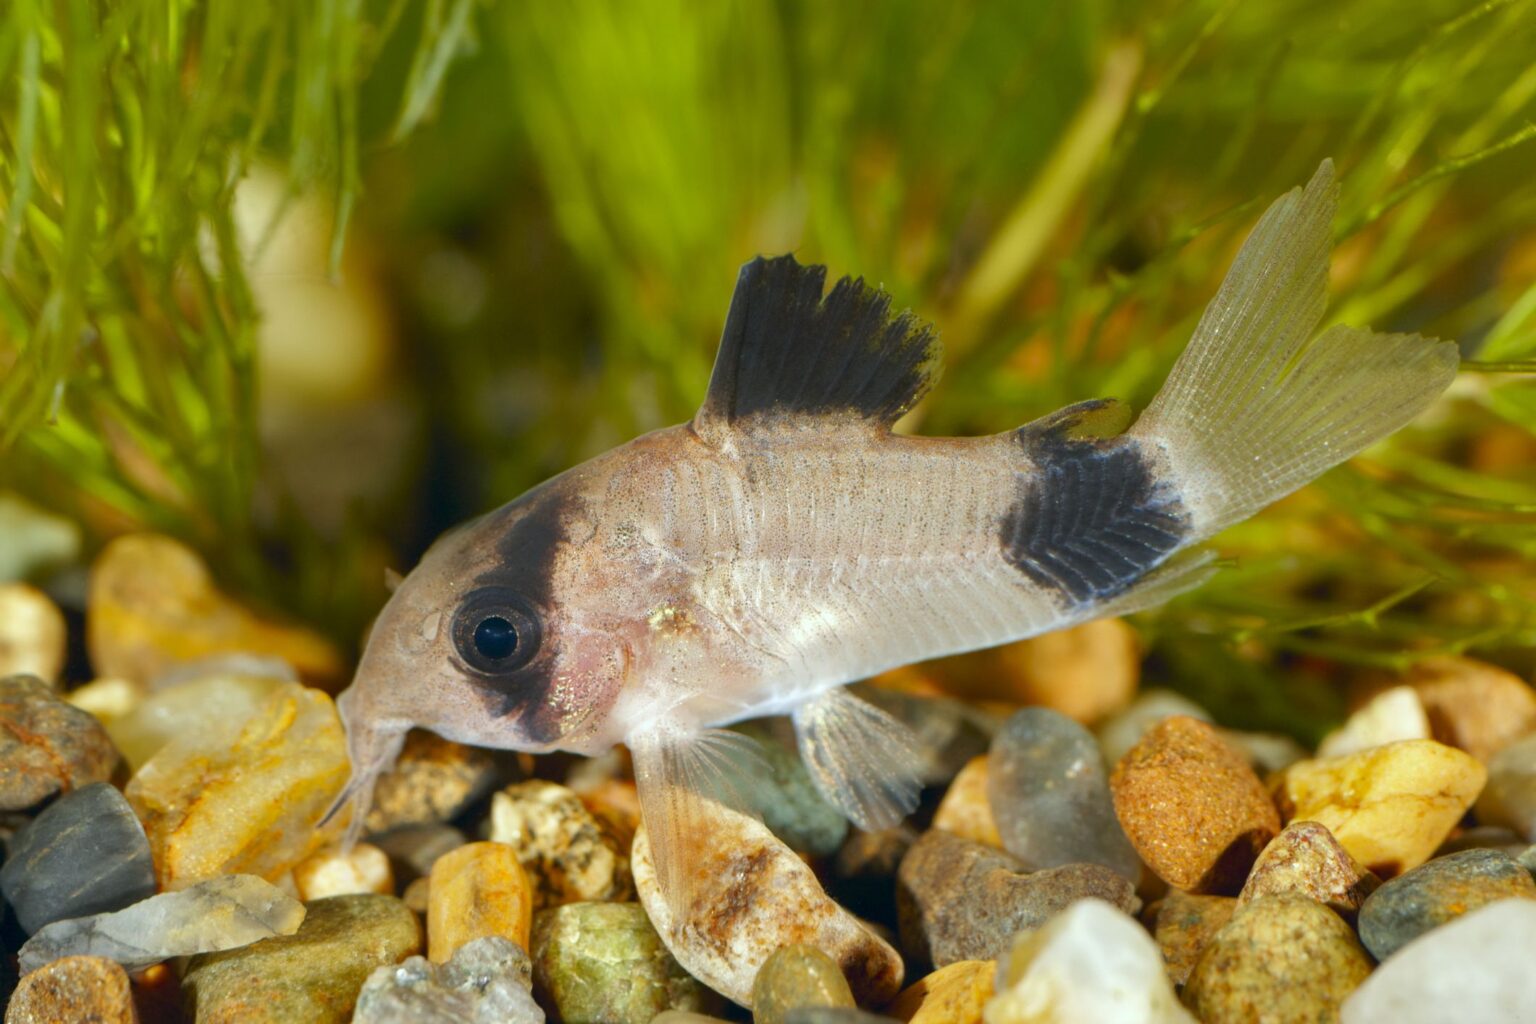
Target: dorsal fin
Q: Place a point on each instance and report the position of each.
(789, 353)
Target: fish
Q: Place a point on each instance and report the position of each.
(787, 541)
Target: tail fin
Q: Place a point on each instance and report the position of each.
(1252, 411)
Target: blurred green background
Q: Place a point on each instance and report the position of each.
(305, 282)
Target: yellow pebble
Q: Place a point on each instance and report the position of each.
(333, 873)
(1390, 806)
(953, 994)
(964, 810)
(477, 890)
(107, 699)
(31, 633)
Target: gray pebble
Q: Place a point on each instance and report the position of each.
(85, 854)
(1436, 892)
(1049, 794)
(487, 981)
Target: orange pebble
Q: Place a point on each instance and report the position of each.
(477, 890)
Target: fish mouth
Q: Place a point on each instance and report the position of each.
(372, 749)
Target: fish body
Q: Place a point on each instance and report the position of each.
(786, 541)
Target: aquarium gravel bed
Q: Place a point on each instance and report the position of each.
(1086, 850)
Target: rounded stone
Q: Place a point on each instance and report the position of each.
(1390, 806)
(954, 994)
(1122, 732)
(1392, 715)
(1509, 797)
(797, 976)
(1305, 859)
(1474, 706)
(76, 988)
(32, 635)
(1183, 924)
(965, 810)
(364, 868)
(791, 805)
(1477, 969)
(960, 900)
(477, 890)
(85, 854)
(487, 981)
(432, 780)
(46, 745)
(1436, 892)
(313, 975)
(1280, 959)
(603, 963)
(569, 853)
(1049, 794)
(1192, 807)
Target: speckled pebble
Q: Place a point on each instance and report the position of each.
(364, 868)
(1436, 892)
(487, 981)
(1183, 923)
(953, 994)
(1049, 794)
(755, 896)
(1305, 859)
(603, 963)
(960, 900)
(1192, 807)
(431, 781)
(313, 975)
(77, 990)
(797, 976)
(46, 745)
(1281, 960)
(569, 854)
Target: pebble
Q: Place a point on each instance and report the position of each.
(247, 797)
(85, 854)
(1183, 924)
(1474, 706)
(833, 1015)
(153, 606)
(603, 963)
(1305, 859)
(75, 989)
(874, 855)
(1091, 962)
(616, 803)
(1393, 714)
(965, 811)
(333, 873)
(569, 854)
(1049, 794)
(477, 890)
(487, 981)
(108, 700)
(1266, 751)
(224, 913)
(1281, 959)
(1085, 672)
(312, 975)
(755, 896)
(1509, 797)
(1482, 837)
(953, 994)
(33, 540)
(32, 635)
(218, 703)
(1436, 892)
(46, 746)
(1477, 969)
(1192, 807)
(413, 850)
(960, 900)
(432, 781)
(791, 805)
(1389, 806)
(797, 976)
(1122, 732)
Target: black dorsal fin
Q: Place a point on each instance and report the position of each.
(789, 353)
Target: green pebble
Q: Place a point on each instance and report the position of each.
(782, 791)
(796, 977)
(603, 963)
(313, 975)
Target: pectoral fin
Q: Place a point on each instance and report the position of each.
(864, 762)
(680, 775)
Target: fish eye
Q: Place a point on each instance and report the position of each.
(495, 631)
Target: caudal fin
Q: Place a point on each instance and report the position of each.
(1256, 406)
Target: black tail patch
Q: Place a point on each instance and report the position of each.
(788, 350)
(1093, 519)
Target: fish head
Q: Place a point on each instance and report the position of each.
(508, 634)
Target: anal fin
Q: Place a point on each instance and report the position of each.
(864, 761)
